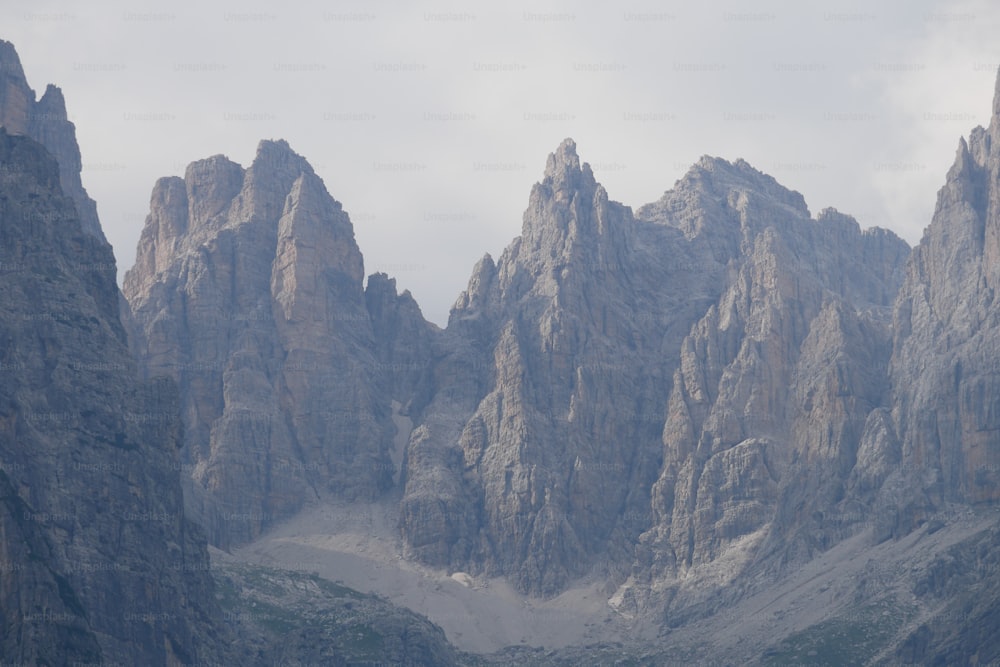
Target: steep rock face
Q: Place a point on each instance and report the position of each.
(521, 438)
(756, 334)
(774, 387)
(248, 290)
(46, 122)
(97, 560)
(963, 583)
(945, 374)
(543, 438)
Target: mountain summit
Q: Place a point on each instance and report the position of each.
(746, 431)
(46, 122)
(248, 291)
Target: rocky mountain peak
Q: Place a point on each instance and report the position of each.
(46, 122)
(275, 157)
(721, 177)
(16, 98)
(210, 186)
(564, 174)
(563, 162)
(235, 270)
(567, 211)
(53, 101)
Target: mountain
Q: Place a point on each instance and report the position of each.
(944, 370)
(248, 291)
(97, 560)
(657, 379)
(45, 120)
(770, 436)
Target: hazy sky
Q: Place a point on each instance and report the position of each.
(430, 121)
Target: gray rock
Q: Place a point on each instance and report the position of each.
(46, 122)
(945, 376)
(97, 561)
(248, 292)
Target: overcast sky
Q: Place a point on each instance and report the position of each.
(430, 121)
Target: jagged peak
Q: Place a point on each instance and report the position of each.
(830, 213)
(276, 154)
(209, 165)
(963, 160)
(10, 62)
(716, 174)
(53, 102)
(486, 260)
(16, 96)
(563, 171)
(381, 279)
(564, 158)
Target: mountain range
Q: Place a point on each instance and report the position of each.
(769, 436)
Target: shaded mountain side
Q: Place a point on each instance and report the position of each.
(946, 341)
(287, 617)
(97, 560)
(46, 121)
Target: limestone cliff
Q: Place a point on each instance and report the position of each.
(45, 121)
(98, 562)
(248, 291)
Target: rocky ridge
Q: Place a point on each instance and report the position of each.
(623, 357)
(691, 400)
(248, 291)
(45, 120)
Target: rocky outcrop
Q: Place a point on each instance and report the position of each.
(537, 451)
(711, 311)
(97, 561)
(774, 387)
(946, 342)
(248, 290)
(963, 585)
(46, 122)
(690, 399)
(295, 618)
